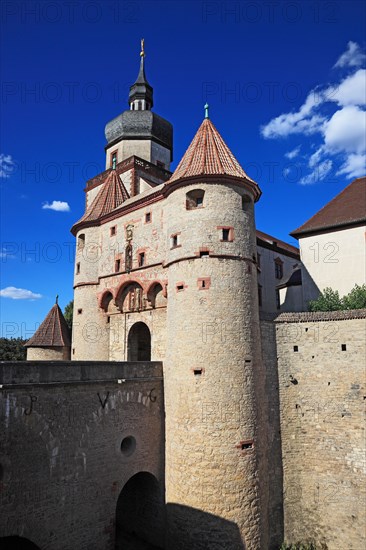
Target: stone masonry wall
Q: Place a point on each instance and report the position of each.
(321, 366)
(61, 463)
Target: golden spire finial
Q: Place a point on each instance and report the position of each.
(142, 53)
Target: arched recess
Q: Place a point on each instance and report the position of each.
(17, 543)
(106, 302)
(139, 343)
(155, 296)
(140, 514)
(129, 297)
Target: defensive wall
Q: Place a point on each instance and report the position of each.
(72, 435)
(321, 401)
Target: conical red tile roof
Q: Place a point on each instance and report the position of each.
(111, 195)
(53, 332)
(208, 154)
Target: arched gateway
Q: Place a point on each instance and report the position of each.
(140, 514)
(139, 343)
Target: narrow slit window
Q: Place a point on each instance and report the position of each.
(148, 217)
(117, 266)
(77, 268)
(113, 231)
(141, 259)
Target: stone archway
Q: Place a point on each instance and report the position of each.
(140, 514)
(17, 543)
(139, 343)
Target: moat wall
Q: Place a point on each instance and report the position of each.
(321, 371)
(62, 464)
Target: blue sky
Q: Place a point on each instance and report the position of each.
(285, 81)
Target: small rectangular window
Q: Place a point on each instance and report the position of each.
(174, 241)
(225, 234)
(141, 259)
(180, 286)
(113, 230)
(80, 311)
(117, 266)
(278, 300)
(78, 268)
(148, 217)
(344, 347)
(278, 269)
(296, 348)
(260, 294)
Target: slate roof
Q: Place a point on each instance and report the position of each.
(276, 243)
(111, 195)
(53, 332)
(208, 154)
(347, 208)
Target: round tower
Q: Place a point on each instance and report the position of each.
(215, 441)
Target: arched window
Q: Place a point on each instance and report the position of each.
(156, 296)
(81, 241)
(130, 298)
(194, 199)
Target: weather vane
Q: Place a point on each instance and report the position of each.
(142, 53)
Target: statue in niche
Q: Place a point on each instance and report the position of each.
(129, 232)
(128, 258)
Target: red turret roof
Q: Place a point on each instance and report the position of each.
(53, 332)
(111, 195)
(208, 154)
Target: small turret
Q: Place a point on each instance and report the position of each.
(141, 93)
(51, 342)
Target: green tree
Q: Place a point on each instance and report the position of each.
(356, 299)
(12, 349)
(328, 300)
(68, 313)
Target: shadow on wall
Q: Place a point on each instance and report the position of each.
(141, 521)
(17, 543)
(192, 529)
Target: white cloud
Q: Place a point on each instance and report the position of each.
(346, 131)
(319, 174)
(337, 114)
(5, 254)
(292, 154)
(58, 206)
(7, 165)
(352, 57)
(351, 91)
(301, 122)
(19, 293)
(354, 167)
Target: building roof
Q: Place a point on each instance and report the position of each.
(53, 332)
(208, 154)
(346, 209)
(111, 195)
(267, 241)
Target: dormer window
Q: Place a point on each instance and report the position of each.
(194, 199)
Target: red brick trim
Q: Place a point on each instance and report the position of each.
(179, 285)
(206, 281)
(246, 446)
(231, 233)
(203, 249)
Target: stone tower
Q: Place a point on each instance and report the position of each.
(213, 379)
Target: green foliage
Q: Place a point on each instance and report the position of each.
(356, 299)
(68, 313)
(329, 300)
(11, 349)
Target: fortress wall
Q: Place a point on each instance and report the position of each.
(61, 464)
(322, 407)
(275, 472)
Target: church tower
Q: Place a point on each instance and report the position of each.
(213, 379)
